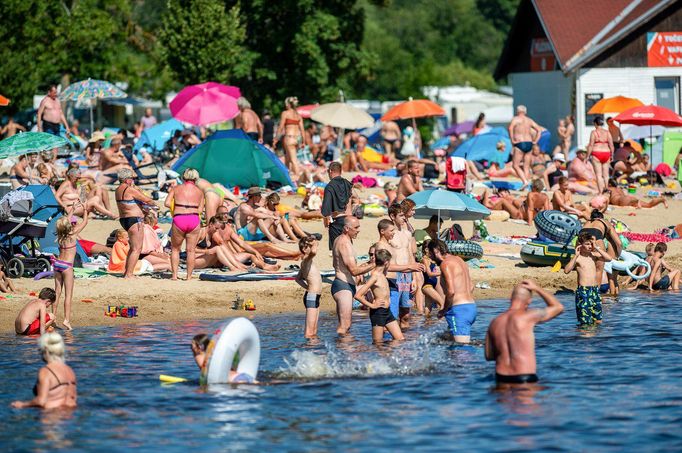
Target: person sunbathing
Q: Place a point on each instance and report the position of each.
(581, 172)
(536, 201)
(504, 201)
(620, 198)
(70, 195)
(254, 222)
(563, 201)
(287, 227)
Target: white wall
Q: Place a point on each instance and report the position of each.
(547, 95)
(630, 82)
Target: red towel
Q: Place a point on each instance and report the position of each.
(644, 237)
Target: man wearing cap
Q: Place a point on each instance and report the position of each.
(253, 223)
(335, 203)
(581, 172)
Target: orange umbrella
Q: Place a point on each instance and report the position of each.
(616, 104)
(419, 108)
(3, 100)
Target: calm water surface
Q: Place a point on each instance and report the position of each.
(610, 388)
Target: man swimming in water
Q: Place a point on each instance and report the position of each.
(510, 340)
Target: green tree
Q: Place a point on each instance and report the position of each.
(307, 48)
(201, 41)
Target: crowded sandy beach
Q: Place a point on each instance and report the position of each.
(330, 253)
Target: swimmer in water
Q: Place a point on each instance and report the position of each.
(510, 340)
(200, 345)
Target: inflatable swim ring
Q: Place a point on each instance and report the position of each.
(465, 249)
(556, 226)
(236, 336)
(536, 253)
(627, 263)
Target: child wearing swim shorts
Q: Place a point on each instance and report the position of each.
(379, 313)
(34, 319)
(309, 278)
(658, 281)
(587, 297)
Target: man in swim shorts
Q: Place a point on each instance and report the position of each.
(34, 319)
(510, 340)
(522, 129)
(347, 268)
(460, 309)
(253, 223)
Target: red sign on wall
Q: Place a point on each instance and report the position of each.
(664, 49)
(541, 55)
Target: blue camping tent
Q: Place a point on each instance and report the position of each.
(157, 136)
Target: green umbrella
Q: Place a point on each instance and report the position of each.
(27, 142)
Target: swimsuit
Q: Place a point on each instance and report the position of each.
(515, 379)
(554, 177)
(248, 236)
(51, 128)
(601, 156)
(34, 327)
(253, 136)
(311, 300)
(186, 222)
(430, 281)
(525, 147)
(460, 319)
(380, 317)
(128, 222)
(594, 232)
(61, 265)
(59, 383)
(340, 285)
(400, 288)
(662, 284)
(588, 305)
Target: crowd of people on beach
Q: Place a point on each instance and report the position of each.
(214, 227)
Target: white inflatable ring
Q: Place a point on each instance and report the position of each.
(237, 335)
(626, 263)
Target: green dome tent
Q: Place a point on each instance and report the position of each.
(231, 158)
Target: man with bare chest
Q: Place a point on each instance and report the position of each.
(50, 114)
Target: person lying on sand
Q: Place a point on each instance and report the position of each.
(620, 198)
(34, 319)
(504, 201)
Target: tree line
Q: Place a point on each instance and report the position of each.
(376, 49)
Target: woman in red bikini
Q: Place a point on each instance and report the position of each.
(291, 128)
(601, 150)
(186, 201)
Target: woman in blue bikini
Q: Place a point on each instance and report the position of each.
(68, 230)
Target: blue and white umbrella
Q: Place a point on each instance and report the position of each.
(447, 205)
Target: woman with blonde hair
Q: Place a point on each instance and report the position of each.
(291, 128)
(186, 202)
(56, 383)
(68, 228)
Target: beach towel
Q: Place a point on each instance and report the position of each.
(647, 237)
(366, 181)
(458, 164)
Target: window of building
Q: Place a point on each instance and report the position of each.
(668, 92)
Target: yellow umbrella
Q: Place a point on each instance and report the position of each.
(615, 104)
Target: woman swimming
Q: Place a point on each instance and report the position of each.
(56, 383)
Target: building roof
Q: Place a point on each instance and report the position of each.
(579, 30)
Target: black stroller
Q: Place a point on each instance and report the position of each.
(19, 234)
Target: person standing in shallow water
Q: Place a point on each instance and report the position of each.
(510, 340)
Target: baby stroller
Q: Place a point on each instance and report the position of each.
(19, 234)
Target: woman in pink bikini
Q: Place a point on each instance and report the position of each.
(186, 202)
(68, 228)
(601, 150)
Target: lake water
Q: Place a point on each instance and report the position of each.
(603, 389)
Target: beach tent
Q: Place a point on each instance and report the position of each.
(46, 208)
(156, 136)
(231, 158)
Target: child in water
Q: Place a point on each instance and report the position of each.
(433, 293)
(309, 278)
(200, 345)
(379, 313)
(658, 281)
(587, 298)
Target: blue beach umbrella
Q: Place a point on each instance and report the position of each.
(156, 136)
(447, 205)
(441, 143)
(484, 147)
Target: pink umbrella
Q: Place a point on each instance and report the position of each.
(306, 110)
(206, 103)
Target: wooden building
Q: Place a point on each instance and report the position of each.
(562, 56)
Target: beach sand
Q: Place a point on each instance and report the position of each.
(166, 300)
